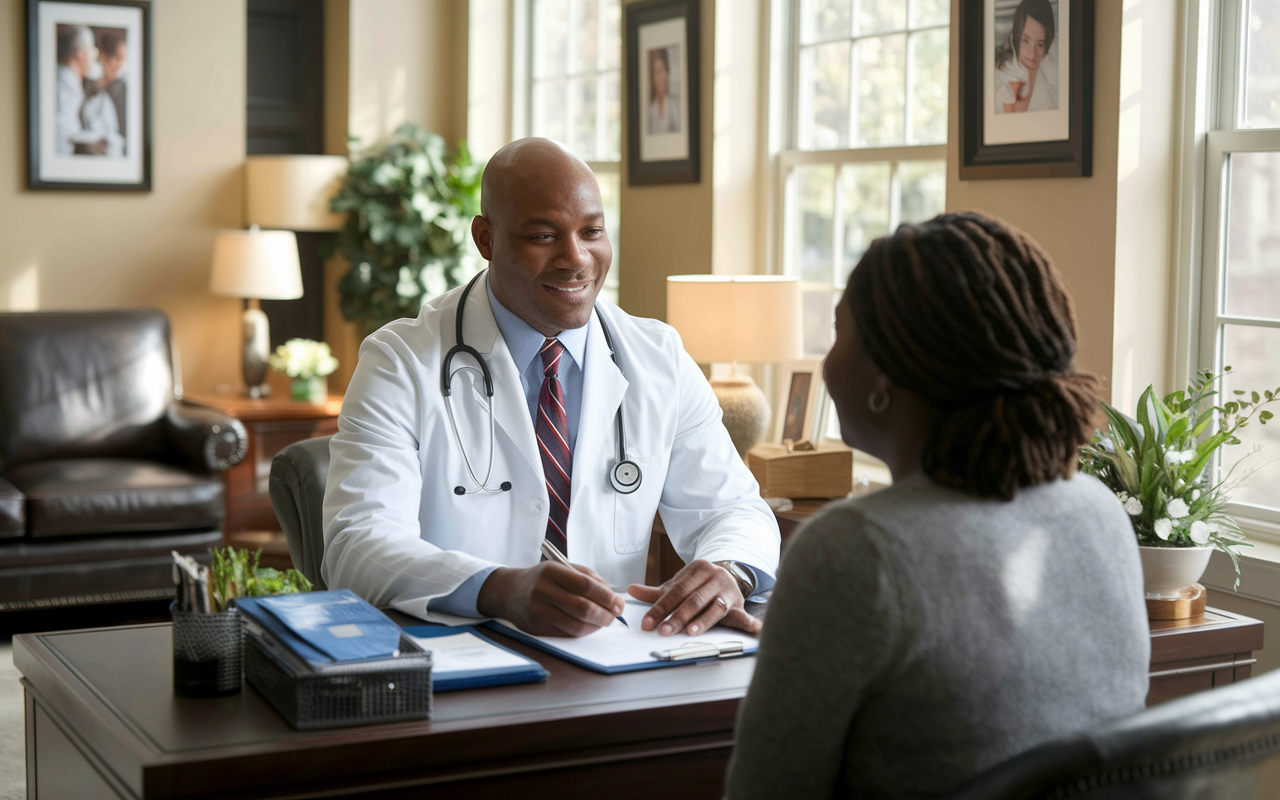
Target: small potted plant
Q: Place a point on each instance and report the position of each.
(1160, 466)
(307, 363)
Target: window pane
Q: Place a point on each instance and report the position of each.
(824, 96)
(584, 29)
(582, 107)
(1254, 357)
(929, 56)
(816, 319)
(550, 102)
(1262, 71)
(824, 19)
(923, 189)
(550, 37)
(930, 12)
(609, 186)
(881, 15)
(880, 90)
(865, 211)
(611, 109)
(815, 204)
(1253, 236)
(612, 34)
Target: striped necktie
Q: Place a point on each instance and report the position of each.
(553, 442)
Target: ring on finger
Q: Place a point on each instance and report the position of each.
(723, 605)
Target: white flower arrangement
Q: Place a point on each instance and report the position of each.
(303, 358)
(1160, 465)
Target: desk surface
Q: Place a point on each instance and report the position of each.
(112, 687)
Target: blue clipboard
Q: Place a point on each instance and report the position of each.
(530, 672)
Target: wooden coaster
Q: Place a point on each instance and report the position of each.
(1189, 604)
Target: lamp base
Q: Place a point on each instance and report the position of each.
(746, 411)
(257, 346)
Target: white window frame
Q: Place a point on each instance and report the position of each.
(1213, 81)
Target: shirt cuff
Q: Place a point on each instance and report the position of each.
(461, 602)
(764, 584)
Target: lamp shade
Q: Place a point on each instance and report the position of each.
(293, 192)
(736, 318)
(262, 265)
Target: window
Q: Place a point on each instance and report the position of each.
(868, 103)
(1240, 287)
(571, 85)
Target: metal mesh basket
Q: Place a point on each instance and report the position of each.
(359, 694)
(206, 653)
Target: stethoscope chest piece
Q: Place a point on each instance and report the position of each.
(625, 476)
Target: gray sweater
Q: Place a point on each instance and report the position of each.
(920, 635)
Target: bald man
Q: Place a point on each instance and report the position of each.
(442, 495)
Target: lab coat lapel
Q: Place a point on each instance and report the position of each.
(603, 387)
(510, 412)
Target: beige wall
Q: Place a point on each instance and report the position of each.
(667, 230)
(1074, 219)
(81, 250)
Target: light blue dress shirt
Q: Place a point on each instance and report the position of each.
(524, 343)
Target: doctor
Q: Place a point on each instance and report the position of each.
(438, 505)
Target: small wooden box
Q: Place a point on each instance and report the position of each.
(825, 472)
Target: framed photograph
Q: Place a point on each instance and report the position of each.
(795, 409)
(1026, 89)
(663, 108)
(89, 94)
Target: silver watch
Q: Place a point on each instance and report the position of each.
(746, 580)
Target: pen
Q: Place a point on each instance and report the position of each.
(550, 553)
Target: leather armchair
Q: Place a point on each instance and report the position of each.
(103, 471)
(1218, 743)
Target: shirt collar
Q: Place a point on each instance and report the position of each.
(525, 343)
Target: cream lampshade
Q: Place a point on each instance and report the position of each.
(293, 192)
(256, 265)
(752, 318)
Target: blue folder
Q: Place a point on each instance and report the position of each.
(530, 672)
(325, 628)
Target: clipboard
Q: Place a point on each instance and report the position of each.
(618, 649)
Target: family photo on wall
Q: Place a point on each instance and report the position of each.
(87, 95)
(662, 57)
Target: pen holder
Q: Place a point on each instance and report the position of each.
(207, 650)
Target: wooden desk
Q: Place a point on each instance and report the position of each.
(273, 424)
(102, 721)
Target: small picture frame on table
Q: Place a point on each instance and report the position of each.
(663, 63)
(1026, 89)
(89, 95)
(795, 409)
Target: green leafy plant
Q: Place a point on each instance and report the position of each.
(235, 573)
(410, 201)
(1159, 464)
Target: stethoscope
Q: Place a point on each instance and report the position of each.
(625, 475)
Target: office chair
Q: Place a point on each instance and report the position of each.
(298, 474)
(1214, 744)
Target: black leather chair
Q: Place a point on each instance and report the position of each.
(1214, 744)
(298, 474)
(102, 470)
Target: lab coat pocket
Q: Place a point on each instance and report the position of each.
(633, 513)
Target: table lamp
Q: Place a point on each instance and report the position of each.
(292, 192)
(256, 265)
(753, 318)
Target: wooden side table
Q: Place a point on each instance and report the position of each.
(272, 424)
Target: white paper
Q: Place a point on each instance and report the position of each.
(466, 651)
(617, 646)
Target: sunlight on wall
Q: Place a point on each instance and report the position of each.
(24, 290)
(1024, 572)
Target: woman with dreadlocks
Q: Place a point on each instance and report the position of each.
(988, 601)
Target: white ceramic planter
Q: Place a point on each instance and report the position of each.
(1168, 570)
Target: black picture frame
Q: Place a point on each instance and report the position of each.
(135, 162)
(1066, 158)
(657, 169)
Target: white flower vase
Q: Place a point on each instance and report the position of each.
(1166, 571)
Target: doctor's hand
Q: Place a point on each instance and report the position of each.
(550, 599)
(699, 596)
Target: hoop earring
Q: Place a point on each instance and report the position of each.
(877, 406)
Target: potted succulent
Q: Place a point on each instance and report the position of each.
(410, 201)
(1160, 466)
(307, 363)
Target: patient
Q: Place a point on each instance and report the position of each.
(988, 601)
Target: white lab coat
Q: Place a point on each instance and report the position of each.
(397, 534)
